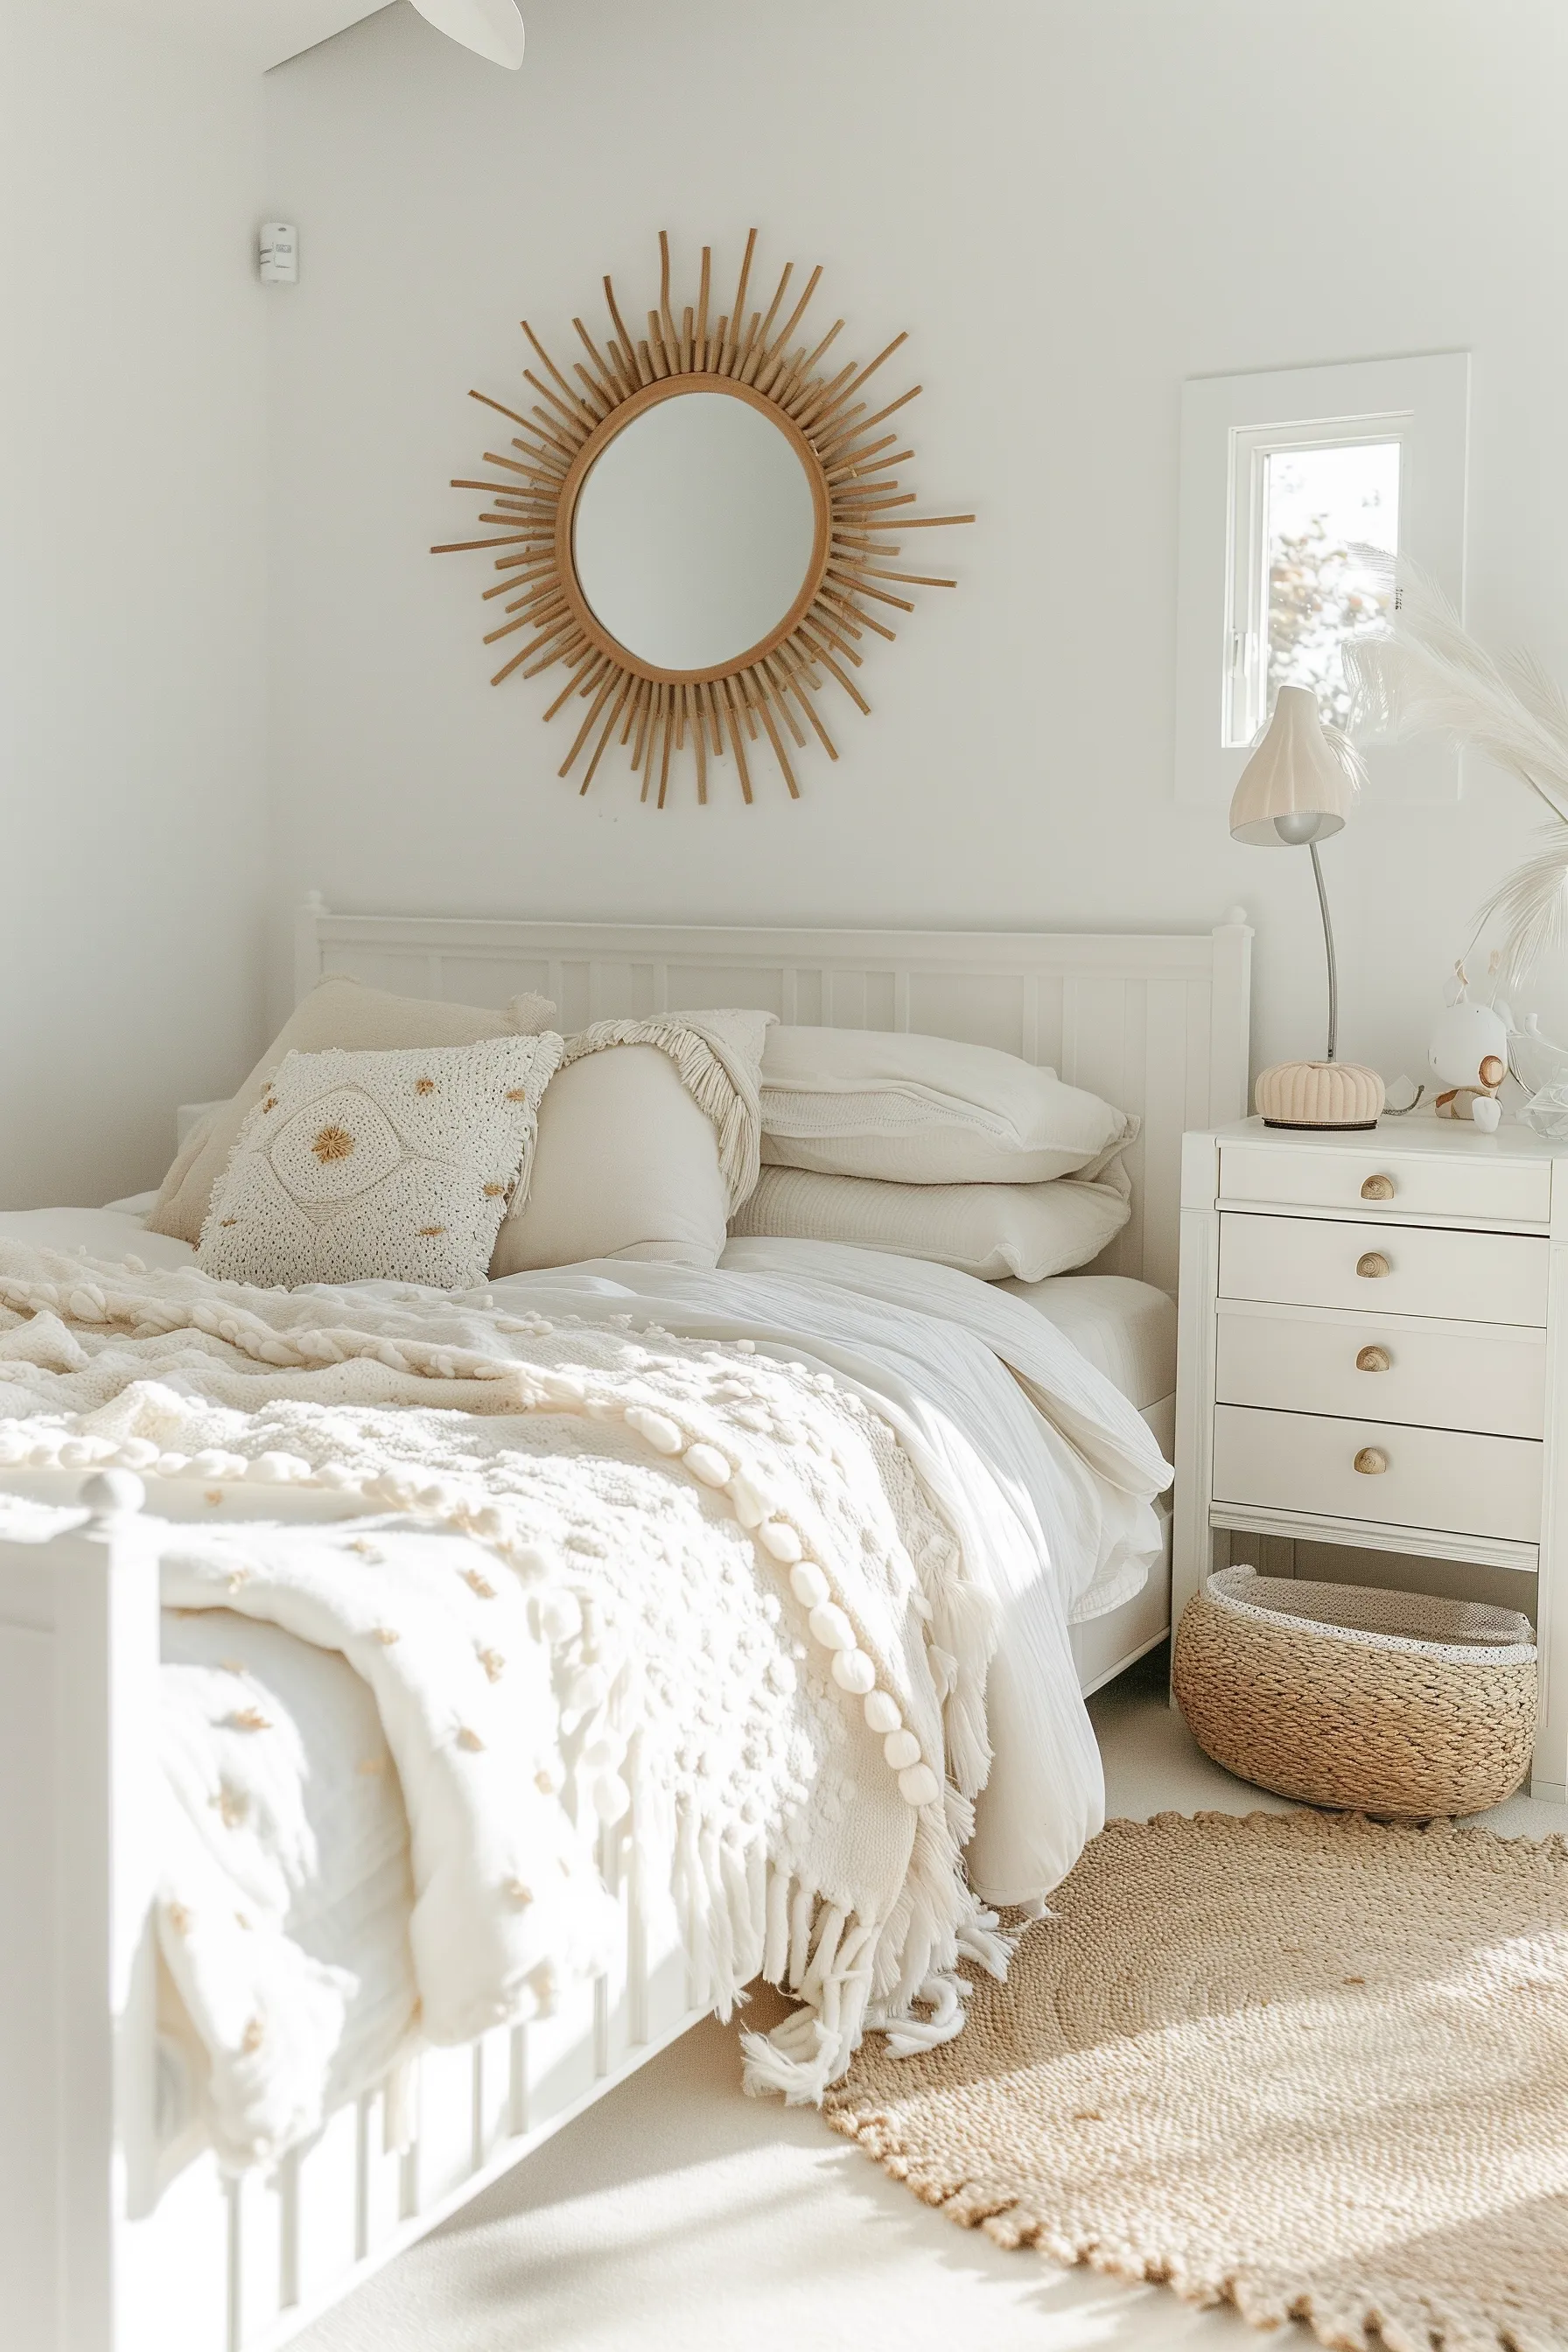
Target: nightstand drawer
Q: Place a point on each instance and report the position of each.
(1466, 1277)
(1373, 1182)
(1487, 1378)
(1439, 1478)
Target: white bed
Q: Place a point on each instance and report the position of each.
(1159, 1026)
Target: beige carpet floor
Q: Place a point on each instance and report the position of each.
(677, 2216)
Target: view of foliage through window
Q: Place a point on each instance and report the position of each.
(1333, 532)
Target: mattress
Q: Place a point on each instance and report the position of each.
(1127, 1329)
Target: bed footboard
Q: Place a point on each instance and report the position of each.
(93, 2256)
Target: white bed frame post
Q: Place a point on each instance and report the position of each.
(78, 1664)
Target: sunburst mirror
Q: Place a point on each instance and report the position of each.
(701, 528)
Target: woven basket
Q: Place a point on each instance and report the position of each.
(1381, 1703)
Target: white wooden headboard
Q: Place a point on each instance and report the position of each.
(1155, 1023)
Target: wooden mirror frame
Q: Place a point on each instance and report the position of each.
(532, 504)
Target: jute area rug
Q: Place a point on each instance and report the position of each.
(1310, 2064)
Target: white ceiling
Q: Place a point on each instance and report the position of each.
(262, 32)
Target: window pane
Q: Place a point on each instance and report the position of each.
(1333, 532)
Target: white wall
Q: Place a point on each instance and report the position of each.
(131, 582)
(1074, 205)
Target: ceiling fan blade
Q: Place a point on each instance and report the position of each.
(491, 28)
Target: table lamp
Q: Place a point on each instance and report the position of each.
(1294, 791)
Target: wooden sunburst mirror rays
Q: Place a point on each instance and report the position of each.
(701, 528)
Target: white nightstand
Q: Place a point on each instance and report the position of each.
(1373, 1352)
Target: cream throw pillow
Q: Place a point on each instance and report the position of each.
(380, 1167)
(649, 1138)
(337, 1012)
(926, 1110)
(1027, 1231)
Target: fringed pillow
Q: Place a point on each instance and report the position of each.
(650, 1137)
(393, 1167)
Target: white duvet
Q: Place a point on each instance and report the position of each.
(1031, 1505)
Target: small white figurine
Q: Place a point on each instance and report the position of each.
(1469, 1053)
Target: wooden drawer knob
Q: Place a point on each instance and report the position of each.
(1373, 1359)
(1378, 1188)
(1370, 1461)
(1372, 1265)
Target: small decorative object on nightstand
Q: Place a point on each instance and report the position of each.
(1294, 791)
(1469, 1054)
(1374, 1353)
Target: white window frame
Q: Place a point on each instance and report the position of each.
(1244, 704)
(1230, 426)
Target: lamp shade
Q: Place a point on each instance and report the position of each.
(1293, 790)
(491, 28)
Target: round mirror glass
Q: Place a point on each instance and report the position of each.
(694, 532)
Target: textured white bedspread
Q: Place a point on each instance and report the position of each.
(1039, 1468)
(1046, 1472)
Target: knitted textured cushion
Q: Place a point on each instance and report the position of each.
(380, 1167)
(337, 1012)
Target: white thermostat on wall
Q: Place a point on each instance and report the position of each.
(279, 253)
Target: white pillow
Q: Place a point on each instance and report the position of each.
(380, 1167)
(1027, 1231)
(649, 1137)
(926, 1110)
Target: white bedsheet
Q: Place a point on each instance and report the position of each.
(330, 1857)
(1039, 1464)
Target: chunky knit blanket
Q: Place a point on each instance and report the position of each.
(665, 1594)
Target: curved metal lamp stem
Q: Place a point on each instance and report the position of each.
(1329, 954)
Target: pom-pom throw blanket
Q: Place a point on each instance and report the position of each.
(606, 1584)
